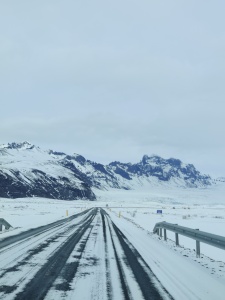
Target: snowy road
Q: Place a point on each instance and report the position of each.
(88, 256)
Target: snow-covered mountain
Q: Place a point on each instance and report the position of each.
(220, 179)
(27, 170)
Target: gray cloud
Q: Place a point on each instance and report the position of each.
(113, 81)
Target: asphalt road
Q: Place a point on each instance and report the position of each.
(83, 257)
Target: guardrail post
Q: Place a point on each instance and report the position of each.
(160, 230)
(177, 239)
(197, 249)
(165, 236)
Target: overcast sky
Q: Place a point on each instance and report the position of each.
(114, 80)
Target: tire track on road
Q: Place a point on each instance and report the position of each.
(29, 260)
(36, 231)
(38, 287)
(148, 283)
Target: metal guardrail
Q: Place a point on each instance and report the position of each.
(199, 236)
(4, 223)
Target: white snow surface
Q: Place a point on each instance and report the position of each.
(134, 212)
(184, 279)
(25, 157)
(28, 157)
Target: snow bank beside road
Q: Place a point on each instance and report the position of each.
(26, 213)
(183, 278)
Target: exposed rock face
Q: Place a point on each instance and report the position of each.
(153, 169)
(164, 170)
(220, 179)
(42, 185)
(26, 171)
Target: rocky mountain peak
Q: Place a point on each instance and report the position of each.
(56, 174)
(18, 146)
(153, 159)
(220, 179)
(80, 159)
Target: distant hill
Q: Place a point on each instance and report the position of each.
(26, 171)
(220, 179)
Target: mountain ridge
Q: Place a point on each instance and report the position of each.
(26, 170)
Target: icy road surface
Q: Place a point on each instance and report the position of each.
(96, 255)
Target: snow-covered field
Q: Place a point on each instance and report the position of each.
(195, 208)
(202, 209)
(135, 213)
